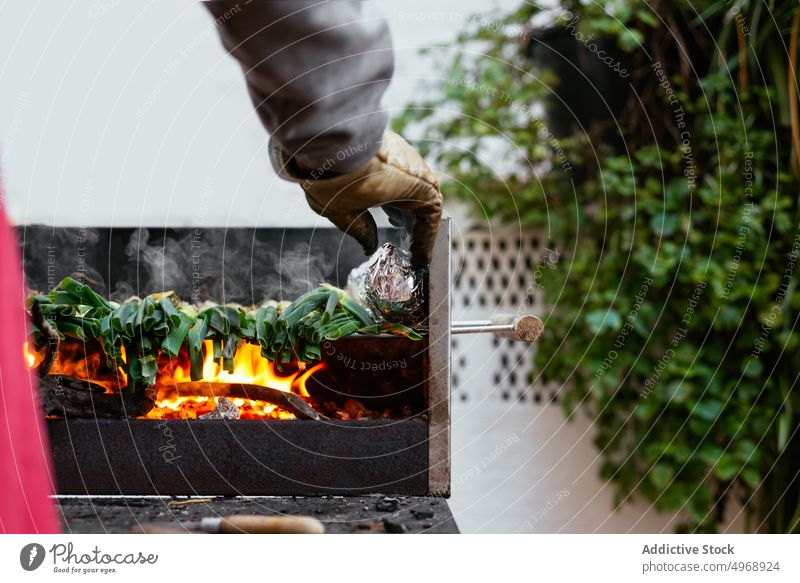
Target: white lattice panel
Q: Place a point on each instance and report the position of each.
(494, 274)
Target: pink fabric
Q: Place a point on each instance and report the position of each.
(25, 481)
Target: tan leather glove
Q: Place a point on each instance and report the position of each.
(396, 176)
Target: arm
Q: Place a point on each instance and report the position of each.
(316, 72)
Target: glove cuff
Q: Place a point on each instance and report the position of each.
(286, 166)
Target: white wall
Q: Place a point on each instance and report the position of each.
(131, 113)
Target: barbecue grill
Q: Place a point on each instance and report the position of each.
(404, 451)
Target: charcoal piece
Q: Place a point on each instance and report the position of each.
(393, 526)
(387, 505)
(422, 514)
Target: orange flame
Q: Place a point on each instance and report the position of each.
(249, 367)
(82, 360)
(30, 357)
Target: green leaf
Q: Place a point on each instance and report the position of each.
(229, 347)
(354, 308)
(707, 409)
(330, 308)
(661, 475)
(170, 311)
(664, 224)
(174, 340)
(726, 467)
(711, 453)
(677, 391)
(752, 368)
(600, 320)
(751, 477)
(196, 335)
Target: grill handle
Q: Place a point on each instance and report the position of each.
(525, 328)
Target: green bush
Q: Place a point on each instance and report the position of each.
(672, 316)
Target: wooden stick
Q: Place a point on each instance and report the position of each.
(286, 401)
(264, 525)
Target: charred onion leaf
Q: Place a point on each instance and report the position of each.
(133, 334)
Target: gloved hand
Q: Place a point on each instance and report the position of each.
(396, 177)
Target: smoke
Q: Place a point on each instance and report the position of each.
(163, 264)
(50, 254)
(225, 266)
(299, 269)
(122, 291)
(238, 265)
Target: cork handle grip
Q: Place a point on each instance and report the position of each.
(521, 328)
(271, 525)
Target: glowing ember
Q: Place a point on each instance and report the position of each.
(194, 407)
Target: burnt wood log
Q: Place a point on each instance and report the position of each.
(51, 342)
(69, 397)
(282, 399)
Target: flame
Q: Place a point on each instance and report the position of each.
(30, 357)
(249, 367)
(81, 361)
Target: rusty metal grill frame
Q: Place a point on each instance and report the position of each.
(439, 469)
(408, 457)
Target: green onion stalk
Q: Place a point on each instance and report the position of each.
(134, 333)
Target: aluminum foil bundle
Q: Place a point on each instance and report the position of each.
(389, 287)
(356, 282)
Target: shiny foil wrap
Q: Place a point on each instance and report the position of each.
(388, 287)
